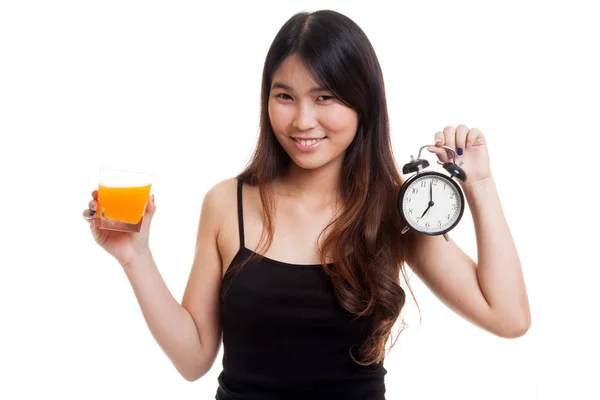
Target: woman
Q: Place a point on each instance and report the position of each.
(298, 258)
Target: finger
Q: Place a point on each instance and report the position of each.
(95, 194)
(150, 209)
(461, 136)
(92, 205)
(475, 138)
(149, 213)
(95, 230)
(440, 152)
(87, 214)
(449, 136)
(150, 205)
(439, 142)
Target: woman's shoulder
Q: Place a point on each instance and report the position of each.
(220, 206)
(223, 187)
(221, 197)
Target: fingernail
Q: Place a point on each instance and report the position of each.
(92, 213)
(153, 200)
(438, 143)
(460, 151)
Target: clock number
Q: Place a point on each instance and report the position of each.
(448, 217)
(423, 184)
(439, 224)
(415, 190)
(427, 225)
(454, 206)
(408, 199)
(410, 210)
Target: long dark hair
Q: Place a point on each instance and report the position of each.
(365, 241)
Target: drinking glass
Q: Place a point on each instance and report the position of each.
(122, 198)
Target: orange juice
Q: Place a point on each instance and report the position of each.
(125, 204)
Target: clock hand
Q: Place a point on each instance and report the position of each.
(430, 190)
(425, 212)
(429, 205)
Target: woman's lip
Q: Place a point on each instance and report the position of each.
(309, 147)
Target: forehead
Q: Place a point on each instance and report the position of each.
(292, 72)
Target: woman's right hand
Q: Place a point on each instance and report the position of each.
(124, 246)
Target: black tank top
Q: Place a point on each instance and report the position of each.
(285, 336)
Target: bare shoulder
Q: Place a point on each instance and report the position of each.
(202, 293)
(221, 192)
(220, 206)
(219, 197)
(216, 209)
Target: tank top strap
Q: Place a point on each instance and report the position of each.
(240, 213)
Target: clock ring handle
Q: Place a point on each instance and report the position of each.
(454, 169)
(444, 146)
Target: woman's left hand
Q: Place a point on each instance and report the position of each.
(470, 147)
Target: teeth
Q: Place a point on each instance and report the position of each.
(307, 142)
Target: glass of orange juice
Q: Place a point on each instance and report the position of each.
(122, 198)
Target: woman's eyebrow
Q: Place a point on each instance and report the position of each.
(281, 85)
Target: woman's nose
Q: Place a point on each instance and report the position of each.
(305, 118)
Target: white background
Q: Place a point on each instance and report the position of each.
(173, 88)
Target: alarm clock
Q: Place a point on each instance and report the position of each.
(430, 202)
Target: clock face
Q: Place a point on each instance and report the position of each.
(431, 203)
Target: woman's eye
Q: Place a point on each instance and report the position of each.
(285, 96)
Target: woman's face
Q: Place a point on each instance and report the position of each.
(313, 127)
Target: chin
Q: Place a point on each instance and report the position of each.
(310, 164)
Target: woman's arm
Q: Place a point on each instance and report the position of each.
(490, 293)
(189, 334)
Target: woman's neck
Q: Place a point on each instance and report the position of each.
(317, 186)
